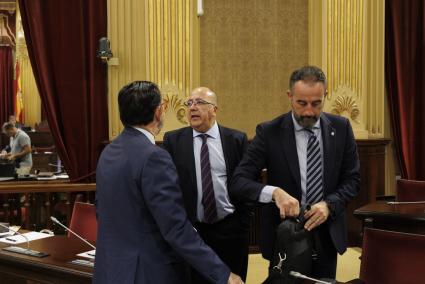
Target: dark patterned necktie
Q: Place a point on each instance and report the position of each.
(208, 198)
(314, 185)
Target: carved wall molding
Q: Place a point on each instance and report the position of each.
(174, 101)
(156, 41)
(345, 102)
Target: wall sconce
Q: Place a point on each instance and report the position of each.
(104, 52)
(200, 10)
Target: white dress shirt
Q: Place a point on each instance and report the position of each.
(301, 139)
(147, 134)
(218, 172)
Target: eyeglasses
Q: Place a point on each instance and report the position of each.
(197, 102)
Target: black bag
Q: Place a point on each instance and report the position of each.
(293, 251)
(7, 169)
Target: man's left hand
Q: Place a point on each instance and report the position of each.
(316, 216)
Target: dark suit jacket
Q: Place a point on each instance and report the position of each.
(274, 148)
(143, 229)
(179, 143)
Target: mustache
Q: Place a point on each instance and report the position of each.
(309, 117)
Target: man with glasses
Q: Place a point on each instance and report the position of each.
(205, 155)
(311, 158)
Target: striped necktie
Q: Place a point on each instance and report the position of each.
(208, 198)
(314, 185)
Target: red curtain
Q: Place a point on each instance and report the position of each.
(6, 83)
(405, 77)
(62, 38)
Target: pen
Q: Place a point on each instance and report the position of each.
(11, 240)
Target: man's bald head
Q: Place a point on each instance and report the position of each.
(206, 93)
(202, 109)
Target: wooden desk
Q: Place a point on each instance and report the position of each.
(408, 218)
(55, 268)
(45, 192)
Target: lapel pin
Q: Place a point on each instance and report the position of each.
(333, 133)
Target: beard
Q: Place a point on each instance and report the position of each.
(306, 121)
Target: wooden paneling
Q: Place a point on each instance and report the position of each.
(372, 170)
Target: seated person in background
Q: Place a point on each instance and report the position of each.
(12, 119)
(20, 151)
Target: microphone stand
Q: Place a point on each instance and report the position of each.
(72, 232)
(20, 250)
(302, 276)
(88, 263)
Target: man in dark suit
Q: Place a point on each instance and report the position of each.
(222, 223)
(311, 158)
(144, 235)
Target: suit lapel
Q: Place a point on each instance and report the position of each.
(189, 155)
(225, 144)
(287, 139)
(329, 145)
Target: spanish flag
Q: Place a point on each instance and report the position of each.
(18, 100)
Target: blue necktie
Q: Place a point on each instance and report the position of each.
(314, 186)
(208, 198)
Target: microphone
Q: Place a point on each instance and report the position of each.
(405, 202)
(302, 276)
(72, 232)
(20, 250)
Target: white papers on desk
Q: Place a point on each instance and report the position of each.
(18, 239)
(47, 178)
(88, 254)
(62, 176)
(12, 230)
(6, 234)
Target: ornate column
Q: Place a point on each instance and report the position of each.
(156, 40)
(347, 41)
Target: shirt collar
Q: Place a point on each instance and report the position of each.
(16, 134)
(213, 132)
(147, 134)
(298, 127)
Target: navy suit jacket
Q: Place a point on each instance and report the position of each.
(179, 143)
(143, 230)
(274, 147)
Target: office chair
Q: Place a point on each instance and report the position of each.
(392, 257)
(83, 221)
(410, 190)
